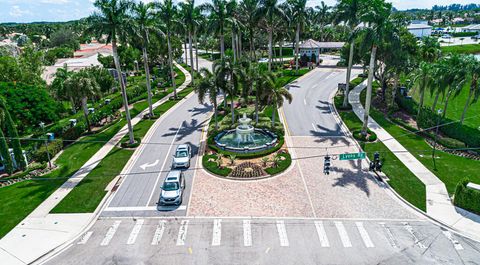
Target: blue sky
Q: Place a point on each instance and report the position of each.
(64, 10)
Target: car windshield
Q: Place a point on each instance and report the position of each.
(182, 153)
(170, 186)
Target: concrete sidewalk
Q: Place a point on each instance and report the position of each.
(41, 232)
(439, 205)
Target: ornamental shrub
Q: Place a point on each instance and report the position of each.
(467, 198)
(40, 155)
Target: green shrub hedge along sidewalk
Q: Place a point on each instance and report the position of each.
(467, 198)
(20, 199)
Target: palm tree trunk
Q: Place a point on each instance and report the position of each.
(172, 72)
(297, 40)
(273, 114)
(473, 85)
(232, 109)
(215, 112)
(270, 40)
(434, 105)
(85, 113)
(257, 99)
(222, 44)
(185, 48)
(281, 51)
(147, 77)
(252, 51)
(234, 48)
(446, 104)
(349, 73)
(191, 57)
(422, 96)
(369, 90)
(239, 44)
(196, 49)
(124, 91)
(73, 105)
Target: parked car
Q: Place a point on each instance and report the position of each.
(181, 158)
(446, 36)
(263, 60)
(172, 188)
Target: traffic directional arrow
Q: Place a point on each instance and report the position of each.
(144, 166)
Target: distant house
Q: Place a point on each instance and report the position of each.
(309, 47)
(471, 28)
(420, 30)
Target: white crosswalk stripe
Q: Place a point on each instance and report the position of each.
(342, 232)
(389, 235)
(247, 233)
(282, 233)
(83, 240)
(322, 236)
(455, 243)
(417, 241)
(217, 232)
(363, 233)
(157, 237)
(136, 229)
(182, 233)
(110, 233)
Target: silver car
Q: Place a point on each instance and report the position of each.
(172, 188)
(181, 158)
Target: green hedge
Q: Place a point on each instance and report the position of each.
(55, 146)
(464, 34)
(213, 167)
(282, 165)
(467, 198)
(357, 134)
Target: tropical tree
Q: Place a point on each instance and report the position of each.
(270, 9)
(250, 17)
(349, 11)
(112, 19)
(430, 49)
(322, 17)
(207, 86)
(235, 26)
(188, 14)
(218, 14)
(454, 78)
(167, 13)
(58, 86)
(299, 15)
(422, 78)
(473, 70)
(228, 78)
(7, 123)
(275, 93)
(144, 19)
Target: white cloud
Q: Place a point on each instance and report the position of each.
(56, 2)
(15, 11)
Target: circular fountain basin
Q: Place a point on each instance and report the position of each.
(253, 141)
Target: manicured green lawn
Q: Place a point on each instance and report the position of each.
(288, 76)
(467, 48)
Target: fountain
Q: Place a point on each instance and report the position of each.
(245, 138)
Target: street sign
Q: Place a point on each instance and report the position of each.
(352, 156)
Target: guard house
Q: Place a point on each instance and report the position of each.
(309, 47)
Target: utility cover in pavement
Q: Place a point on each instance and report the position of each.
(352, 156)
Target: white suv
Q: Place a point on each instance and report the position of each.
(172, 188)
(182, 156)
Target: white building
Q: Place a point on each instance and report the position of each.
(420, 30)
(310, 47)
(471, 28)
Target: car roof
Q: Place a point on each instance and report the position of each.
(173, 175)
(182, 146)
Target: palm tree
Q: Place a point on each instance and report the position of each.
(473, 69)
(275, 93)
(270, 9)
(455, 78)
(235, 25)
(322, 17)
(82, 86)
(250, 17)
(58, 85)
(228, 77)
(208, 86)
(167, 13)
(430, 49)
(6, 122)
(218, 15)
(300, 17)
(198, 19)
(348, 11)
(379, 28)
(144, 18)
(422, 77)
(112, 20)
(187, 11)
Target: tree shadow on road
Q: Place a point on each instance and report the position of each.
(356, 177)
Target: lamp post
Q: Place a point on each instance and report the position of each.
(42, 125)
(439, 112)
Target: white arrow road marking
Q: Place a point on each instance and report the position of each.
(217, 232)
(110, 233)
(247, 233)
(409, 228)
(321, 234)
(85, 238)
(343, 234)
(144, 166)
(182, 233)
(135, 231)
(158, 232)
(363, 233)
(455, 243)
(282, 233)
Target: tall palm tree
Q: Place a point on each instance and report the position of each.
(167, 13)
(198, 19)
(187, 11)
(379, 28)
(112, 19)
(275, 93)
(430, 49)
(455, 78)
(270, 9)
(300, 17)
(322, 17)
(235, 26)
(144, 18)
(422, 77)
(58, 85)
(218, 14)
(207, 86)
(250, 18)
(228, 78)
(6, 122)
(349, 11)
(473, 69)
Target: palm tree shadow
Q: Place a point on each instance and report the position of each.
(186, 129)
(356, 177)
(200, 110)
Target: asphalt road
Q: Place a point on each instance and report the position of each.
(310, 113)
(267, 241)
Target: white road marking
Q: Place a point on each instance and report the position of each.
(144, 166)
(247, 233)
(390, 237)
(409, 228)
(182, 233)
(163, 165)
(110, 233)
(282, 233)
(304, 101)
(136, 229)
(157, 237)
(363, 233)
(85, 238)
(321, 234)
(217, 232)
(127, 209)
(343, 234)
(314, 128)
(455, 243)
